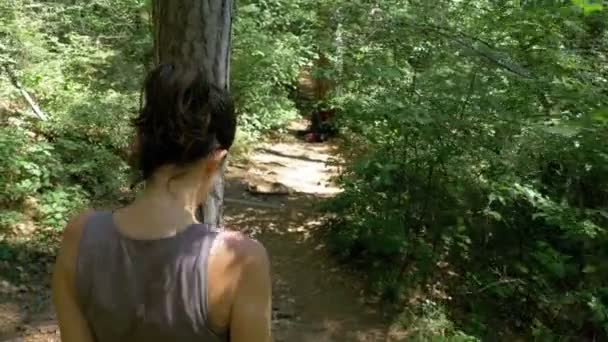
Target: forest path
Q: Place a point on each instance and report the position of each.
(313, 299)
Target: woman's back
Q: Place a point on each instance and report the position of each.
(149, 271)
(144, 290)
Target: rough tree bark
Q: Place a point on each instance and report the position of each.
(197, 31)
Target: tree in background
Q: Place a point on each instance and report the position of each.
(198, 32)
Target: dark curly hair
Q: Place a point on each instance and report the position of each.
(182, 118)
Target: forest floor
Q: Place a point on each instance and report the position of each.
(272, 195)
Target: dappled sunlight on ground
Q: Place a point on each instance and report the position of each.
(314, 299)
(303, 171)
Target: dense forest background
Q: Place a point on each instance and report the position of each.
(475, 133)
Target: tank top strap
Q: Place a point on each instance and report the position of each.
(210, 234)
(98, 232)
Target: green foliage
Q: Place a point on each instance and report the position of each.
(588, 6)
(428, 321)
(56, 206)
(29, 167)
(480, 153)
(271, 44)
(83, 63)
(32, 171)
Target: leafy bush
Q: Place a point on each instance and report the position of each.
(271, 44)
(484, 167)
(27, 167)
(78, 62)
(32, 174)
(428, 321)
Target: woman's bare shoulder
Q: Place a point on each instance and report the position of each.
(235, 260)
(239, 245)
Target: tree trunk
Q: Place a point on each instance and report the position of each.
(197, 31)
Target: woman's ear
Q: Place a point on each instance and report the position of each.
(214, 161)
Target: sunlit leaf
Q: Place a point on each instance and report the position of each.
(600, 115)
(562, 130)
(589, 6)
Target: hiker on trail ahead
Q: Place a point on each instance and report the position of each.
(149, 271)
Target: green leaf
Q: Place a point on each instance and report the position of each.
(494, 215)
(600, 115)
(589, 269)
(562, 130)
(249, 9)
(538, 215)
(588, 6)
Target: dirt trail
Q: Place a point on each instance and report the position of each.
(314, 301)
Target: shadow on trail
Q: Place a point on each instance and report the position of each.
(286, 155)
(24, 282)
(314, 299)
(23, 263)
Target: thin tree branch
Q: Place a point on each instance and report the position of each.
(253, 203)
(39, 113)
(496, 283)
(465, 103)
(485, 50)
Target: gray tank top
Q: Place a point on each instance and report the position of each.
(145, 290)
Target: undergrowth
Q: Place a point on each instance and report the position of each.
(482, 186)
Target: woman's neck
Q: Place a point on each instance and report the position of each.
(164, 208)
